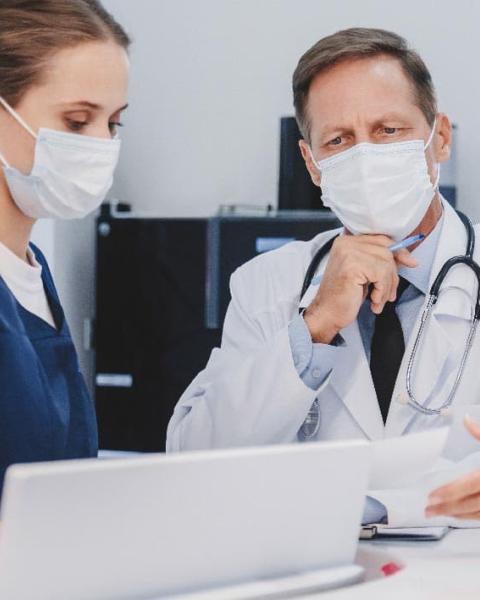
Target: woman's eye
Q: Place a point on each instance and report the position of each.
(390, 130)
(76, 125)
(113, 127)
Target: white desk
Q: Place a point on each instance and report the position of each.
(444, 570)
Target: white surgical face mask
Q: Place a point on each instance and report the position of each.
(71, 173)
(379, 188)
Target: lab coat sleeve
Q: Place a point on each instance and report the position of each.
(406, 506)
(314, 362)
(250, 392)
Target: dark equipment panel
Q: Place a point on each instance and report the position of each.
(295, 187)
(162, 292)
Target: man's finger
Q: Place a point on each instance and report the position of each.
(394, 288)
(404, 257)
(465, 486)
(378, 296)
(457, 508)
(475, 516)
(472, 426)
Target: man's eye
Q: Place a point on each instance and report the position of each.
(336, 141)
(390, 130)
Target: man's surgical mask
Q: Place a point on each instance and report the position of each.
(71, 173)
(379, 188)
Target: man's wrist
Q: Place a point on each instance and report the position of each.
(321, 329)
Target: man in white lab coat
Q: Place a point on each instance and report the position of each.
(373, 139)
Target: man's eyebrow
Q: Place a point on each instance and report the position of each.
(341, 128)
(390, 117)
(334, 129)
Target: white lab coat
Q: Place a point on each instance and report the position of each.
(251, 394)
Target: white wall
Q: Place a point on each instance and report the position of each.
(44, 237)
(210, 80)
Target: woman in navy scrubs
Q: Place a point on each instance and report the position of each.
(63, 87)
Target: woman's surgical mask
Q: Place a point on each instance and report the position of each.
(379, 188)
(71, 173)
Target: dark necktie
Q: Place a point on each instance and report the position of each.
(388, 347)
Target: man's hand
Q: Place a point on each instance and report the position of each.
(356, 262)
(461, 498)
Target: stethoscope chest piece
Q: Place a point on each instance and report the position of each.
(311, 425)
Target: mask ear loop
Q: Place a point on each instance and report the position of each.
(17, 117)
(432, 133)
(4, 161)
(313, 158)
(19, 120)
(436, 185)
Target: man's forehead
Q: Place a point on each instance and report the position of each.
(376, 87)
(359, 74)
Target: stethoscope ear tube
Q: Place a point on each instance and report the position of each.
(452, 262)
(313, 266)
(470, 234)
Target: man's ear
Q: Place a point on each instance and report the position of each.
(442, 145)
(312, 169)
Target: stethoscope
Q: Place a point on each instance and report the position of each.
(311, 424)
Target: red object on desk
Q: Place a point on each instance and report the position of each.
(390, 569)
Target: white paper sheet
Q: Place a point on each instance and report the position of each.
(460, 443)
(400, 461)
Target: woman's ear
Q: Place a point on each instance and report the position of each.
(443, 138)
(307, 157)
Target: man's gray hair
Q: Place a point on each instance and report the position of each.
(357, 43)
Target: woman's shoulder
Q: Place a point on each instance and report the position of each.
(10, 321)
(46, 273)
(40, 256)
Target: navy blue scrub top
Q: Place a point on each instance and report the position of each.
(45, 409)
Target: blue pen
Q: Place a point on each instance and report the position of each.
(409, 241)
(413, 239)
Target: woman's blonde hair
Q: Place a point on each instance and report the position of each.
(31, 31)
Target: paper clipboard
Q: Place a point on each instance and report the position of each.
(403, 534)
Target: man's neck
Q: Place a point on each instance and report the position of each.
(429, 221)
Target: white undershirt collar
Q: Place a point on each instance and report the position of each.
(18, 272)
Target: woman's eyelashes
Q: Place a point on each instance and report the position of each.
(77, 126)
(113, 126)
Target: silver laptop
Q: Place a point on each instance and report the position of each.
(165, 525)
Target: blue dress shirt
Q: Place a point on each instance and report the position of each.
(314, 362)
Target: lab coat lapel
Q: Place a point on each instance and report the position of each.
(352, 381)
(437, 355)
